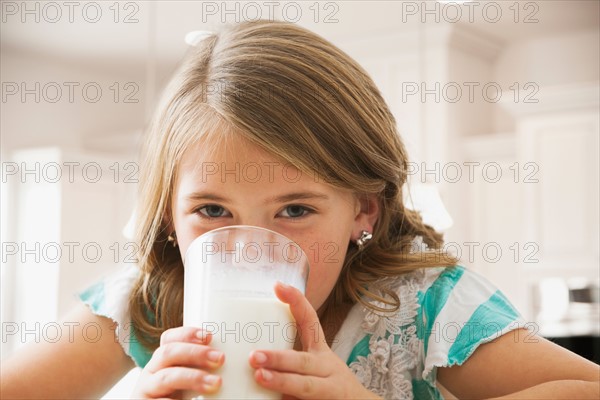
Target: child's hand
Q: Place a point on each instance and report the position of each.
(182, 362)
(314, 373)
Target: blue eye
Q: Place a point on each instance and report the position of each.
(212, 211)
(295, 211)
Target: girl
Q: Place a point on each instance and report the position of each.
(267, 124)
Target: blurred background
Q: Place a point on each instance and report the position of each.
(497, 102)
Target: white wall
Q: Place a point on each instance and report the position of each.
(57, 118)
(565, 59)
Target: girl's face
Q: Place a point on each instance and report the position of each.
(240, 184)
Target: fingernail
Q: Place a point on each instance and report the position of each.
(211, 380)
(283, 285)
(214, 355)
(266, 375)
(260, 357)
(200, 334)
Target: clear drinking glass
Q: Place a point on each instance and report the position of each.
(229, 281)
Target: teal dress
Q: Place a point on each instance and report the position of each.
(444, 315)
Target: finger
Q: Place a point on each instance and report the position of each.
(307, 321)
(300, 386)
(185, 354)
(168, 380)
(185, 334)
(299, 362)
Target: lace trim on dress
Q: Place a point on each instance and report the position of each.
(394, 348)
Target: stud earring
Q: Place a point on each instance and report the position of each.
(172, 238)
(365, 236)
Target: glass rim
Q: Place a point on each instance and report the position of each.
(246, 227)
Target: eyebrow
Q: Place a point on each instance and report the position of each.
(274, 199)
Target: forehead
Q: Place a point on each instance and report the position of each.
(223, 148)
(234, 160)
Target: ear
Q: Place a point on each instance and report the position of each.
(167, 222)
(367, 213)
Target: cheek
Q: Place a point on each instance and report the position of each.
(183, 242)
(186, 234)
(319, 288)
(323, 276)
(326, 252)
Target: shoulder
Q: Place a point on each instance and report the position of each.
(107, 294)
(445, 313)
(458, 312)
(109, 298)
(430, 293)
(458, 294)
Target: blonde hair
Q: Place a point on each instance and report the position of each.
(302, 99)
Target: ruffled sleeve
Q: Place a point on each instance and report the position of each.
(460, 311)
(109, 298)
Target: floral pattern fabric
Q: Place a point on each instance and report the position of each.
(397, 353)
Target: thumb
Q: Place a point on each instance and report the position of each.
(307, 321)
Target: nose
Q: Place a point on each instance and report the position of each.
(264, 223)
(253, 220)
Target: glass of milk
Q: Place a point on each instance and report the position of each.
(230, 274)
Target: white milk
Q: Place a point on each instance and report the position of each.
(240, 325)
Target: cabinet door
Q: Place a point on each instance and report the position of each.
(561, 209)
